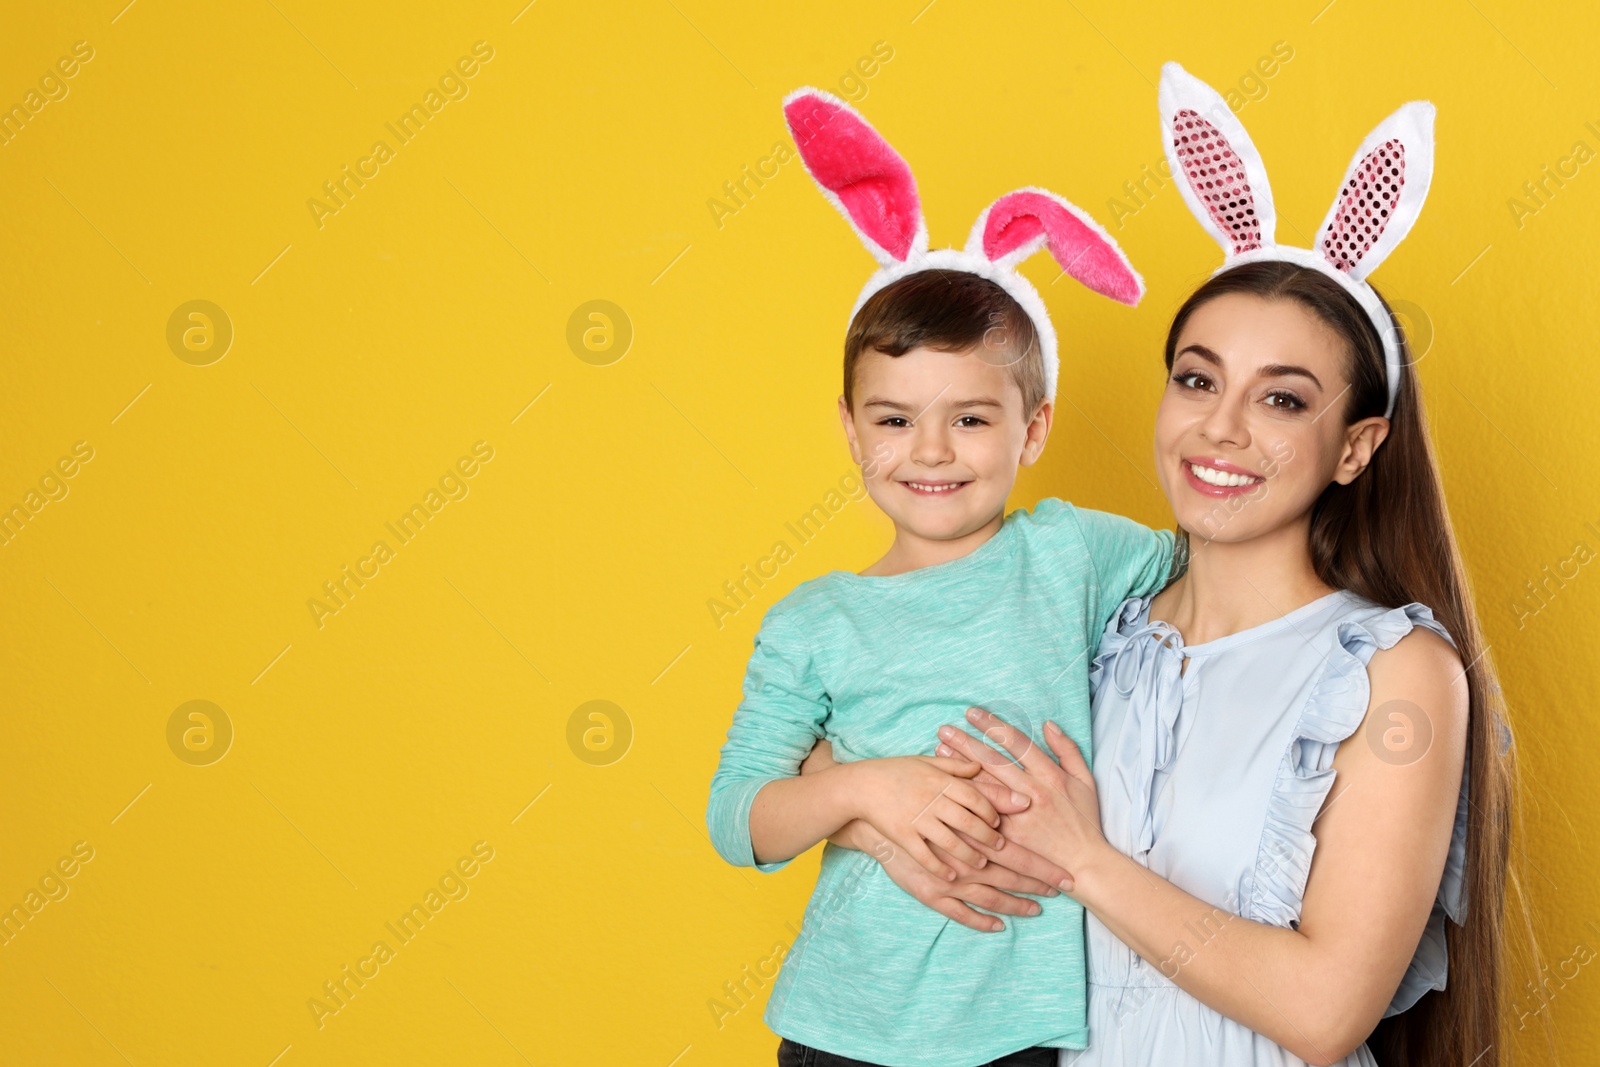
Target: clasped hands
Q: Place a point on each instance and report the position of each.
(975, 824)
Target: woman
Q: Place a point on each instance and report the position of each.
(1297, 765)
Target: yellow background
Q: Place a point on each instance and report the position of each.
(431, 712)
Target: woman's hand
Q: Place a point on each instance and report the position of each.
(973, 886)
(1062, 819)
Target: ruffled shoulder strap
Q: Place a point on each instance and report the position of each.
(1333, 710)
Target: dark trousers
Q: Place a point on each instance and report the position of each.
(794, 1054)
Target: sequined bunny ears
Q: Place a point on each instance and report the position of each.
(1225, 185)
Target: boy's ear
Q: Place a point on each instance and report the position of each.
(849, 424)
(1038, 431)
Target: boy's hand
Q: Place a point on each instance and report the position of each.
(984, 888)
(917, 802)
(1005, 801)
(921, 801)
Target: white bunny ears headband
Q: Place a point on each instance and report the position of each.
(872, 187)
(1225, 185)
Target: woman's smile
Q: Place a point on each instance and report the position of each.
(1218, 477)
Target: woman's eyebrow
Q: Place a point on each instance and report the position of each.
(1271, 370)
(1281, 370)
(1203, 352)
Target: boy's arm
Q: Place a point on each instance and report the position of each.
(761, 814)
(775, 726)
(1129, 559)
(917, 803)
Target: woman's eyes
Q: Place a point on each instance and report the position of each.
(1277, 399)
(1290, 401)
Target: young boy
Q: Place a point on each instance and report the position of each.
(970, 607)
(948, 380)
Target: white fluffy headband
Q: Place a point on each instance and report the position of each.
(1225, 185)
(872, 187)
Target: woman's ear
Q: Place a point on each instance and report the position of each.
(849, 424)
(1361, 440)
(1038, 431)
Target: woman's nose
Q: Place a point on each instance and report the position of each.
(1225, 423)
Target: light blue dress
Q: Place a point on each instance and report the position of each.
(1211, 777)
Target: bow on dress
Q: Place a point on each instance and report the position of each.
(1144, 666)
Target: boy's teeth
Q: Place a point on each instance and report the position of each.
(1223, 478)
(934, 488)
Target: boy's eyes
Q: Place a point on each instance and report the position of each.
(965, 421)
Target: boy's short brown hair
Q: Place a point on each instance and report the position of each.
(949, 311)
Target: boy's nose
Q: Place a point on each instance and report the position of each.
(931, 446)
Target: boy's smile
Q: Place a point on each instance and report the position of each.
(949, 433)
(925, 487)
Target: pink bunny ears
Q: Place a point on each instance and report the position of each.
(1225, 185)
(871, 185)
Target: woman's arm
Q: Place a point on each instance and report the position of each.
(1382, 840)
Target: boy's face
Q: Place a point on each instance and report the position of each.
(940, 436)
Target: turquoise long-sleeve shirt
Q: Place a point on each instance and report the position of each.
(875, 664)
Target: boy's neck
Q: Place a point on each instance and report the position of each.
(912, 552)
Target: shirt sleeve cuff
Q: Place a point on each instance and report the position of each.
(729, 823)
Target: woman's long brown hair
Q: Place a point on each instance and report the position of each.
(1387, 536)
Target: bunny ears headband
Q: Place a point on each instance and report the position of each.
(1225, 185)
(872, 187)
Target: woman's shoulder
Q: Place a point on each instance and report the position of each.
(1408, 633)
(1419, 663)
(1393, 658)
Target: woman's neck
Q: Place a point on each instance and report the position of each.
(1234, 586)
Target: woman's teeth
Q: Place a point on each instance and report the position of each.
(1211, 476)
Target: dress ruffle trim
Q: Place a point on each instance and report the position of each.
(1334, 709)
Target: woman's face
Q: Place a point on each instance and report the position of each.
(1251, 427)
